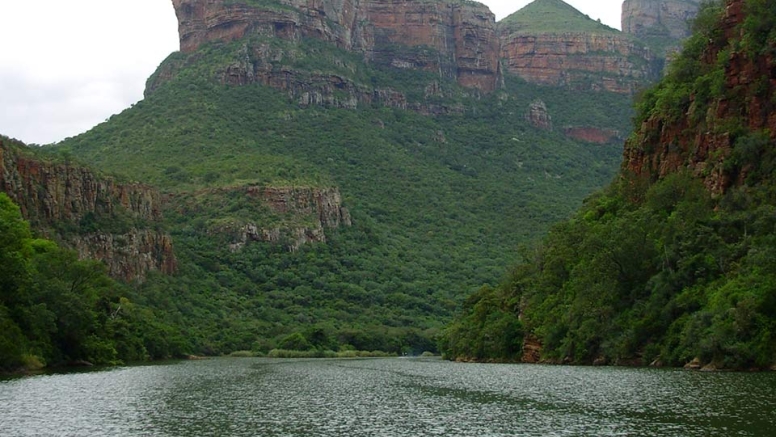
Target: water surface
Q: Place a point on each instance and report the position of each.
(387, 397)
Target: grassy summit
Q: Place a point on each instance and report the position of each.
(552, 16)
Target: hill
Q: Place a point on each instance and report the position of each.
(672, 264)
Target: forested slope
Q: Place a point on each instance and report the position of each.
(673, 263)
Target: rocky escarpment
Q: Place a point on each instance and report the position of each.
(663, 22)
(457, 41)
(452, 40)
(707, 134)
(606, 62)
(289, 216)
(550, 43)
(74, 205)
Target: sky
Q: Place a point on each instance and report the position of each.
(66, 66)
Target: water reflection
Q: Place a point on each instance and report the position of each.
(387, 397)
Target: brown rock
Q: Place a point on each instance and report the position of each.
(695, 364)
(600, 62)
(457, 40)
(538, 115)
(663, 146)
(532, 349)
(51, 193)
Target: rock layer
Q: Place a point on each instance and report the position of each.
(455, 40)
(64, 196)
(583, 61)
(301, 215)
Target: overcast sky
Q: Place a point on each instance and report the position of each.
(66, 66)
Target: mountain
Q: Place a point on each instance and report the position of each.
(673, 263)
(345, 172)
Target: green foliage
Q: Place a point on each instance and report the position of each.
(677, 277)
(56, 309)
(437, 202)
(690, 78)
(552, 16)
(665, 272)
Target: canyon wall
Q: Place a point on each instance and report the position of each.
(457, 41)
(66, 202)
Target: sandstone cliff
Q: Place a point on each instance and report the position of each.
(454, 40)
(703, 132)
(550, 43)
(66, 202)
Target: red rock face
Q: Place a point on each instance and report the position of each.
(663, 146)
(608, 62)
(49, 193)
(590, 134)
(459, 41)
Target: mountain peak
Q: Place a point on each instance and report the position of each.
(553, 16)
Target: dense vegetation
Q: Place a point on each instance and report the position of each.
(55, 309)
(655, 270)
(552, 16)
(438, 202)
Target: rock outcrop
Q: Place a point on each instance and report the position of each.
(538, 116)
(580, 61)
(549, 42)
(66, 202)
(455, 40)
(701, 140)
(665, 21)
(288, 216)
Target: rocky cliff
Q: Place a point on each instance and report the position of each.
(663, 22)
(579, 61)
(550, 43)
(455, 40)
(709, 131)
(290, 216)
(75, 205)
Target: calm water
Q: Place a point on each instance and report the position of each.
(387, 397)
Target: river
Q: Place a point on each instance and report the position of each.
(386, 397)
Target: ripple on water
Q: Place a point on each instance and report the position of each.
(386, 397)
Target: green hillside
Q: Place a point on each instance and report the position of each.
(552, 16)
(659, 268)
(438, 203)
